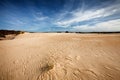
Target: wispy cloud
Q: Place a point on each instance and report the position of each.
(80, 15)
(112, 25)
(39, 16)
(16, 22)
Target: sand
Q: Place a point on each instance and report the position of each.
(60, 56)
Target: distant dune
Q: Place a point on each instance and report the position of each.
(9, 34)
(60, 56)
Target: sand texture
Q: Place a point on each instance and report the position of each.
(60, 56)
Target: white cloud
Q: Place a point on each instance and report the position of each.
(41, 18)
(113, 25)
(16, 22)
(80, 15)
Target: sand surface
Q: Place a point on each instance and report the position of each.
(60, 56)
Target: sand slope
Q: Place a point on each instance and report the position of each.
(60, 56)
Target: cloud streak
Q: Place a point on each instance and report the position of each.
(112, 25)
(80, 15)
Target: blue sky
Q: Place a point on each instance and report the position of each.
(60, 15)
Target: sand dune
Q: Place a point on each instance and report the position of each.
(60, 56)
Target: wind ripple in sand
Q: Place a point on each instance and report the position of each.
(40, 56)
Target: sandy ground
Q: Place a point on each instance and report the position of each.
(60, 56)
